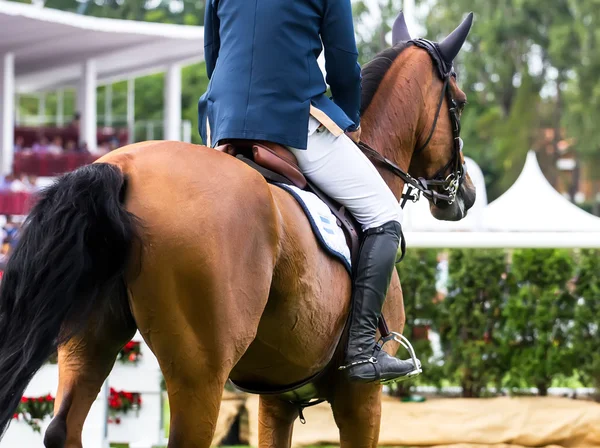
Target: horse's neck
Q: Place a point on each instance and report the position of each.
(392, 123)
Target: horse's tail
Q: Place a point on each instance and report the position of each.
(71, 258)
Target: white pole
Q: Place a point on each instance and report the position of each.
(88, 130)
(131, 110)
(7, 112)
(60, 108)
(172, 93)
(187, 131)
(108, 105)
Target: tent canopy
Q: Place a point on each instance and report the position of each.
(532, 204)
(50, 45)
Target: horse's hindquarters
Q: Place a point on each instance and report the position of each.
(210, 240)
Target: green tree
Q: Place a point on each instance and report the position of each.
(538, 316)
(471, 318)
(514, 69)
(587, 312)
(418, 278)
(373, 24)
(582, 97)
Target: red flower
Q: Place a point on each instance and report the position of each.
(24, 399)
(130, 345)
(16, 416)
(118, 421)
(49, 397)
(41, 399)
(138, 400)
(132, 357)
(112, 391)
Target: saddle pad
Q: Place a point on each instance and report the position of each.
(324, 224)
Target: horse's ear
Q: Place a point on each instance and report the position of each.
(452, 44)
(400, 30)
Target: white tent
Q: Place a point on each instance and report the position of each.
(532, 204)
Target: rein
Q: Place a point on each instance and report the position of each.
(451, 183)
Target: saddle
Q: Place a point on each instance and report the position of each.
(277, 164)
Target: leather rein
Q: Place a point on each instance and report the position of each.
(452, 182)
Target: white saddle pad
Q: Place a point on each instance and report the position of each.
(324, 224)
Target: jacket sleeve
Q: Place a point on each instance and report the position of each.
(341, 58)
(212, 42)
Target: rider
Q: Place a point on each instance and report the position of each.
(265, 84)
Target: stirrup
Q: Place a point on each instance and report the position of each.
(404, 342)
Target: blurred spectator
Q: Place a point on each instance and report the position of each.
(71, 146)
(11, 229)
(30, 182)
(19, 144)
(6, 182)
(76, 121)
(41, 146)
(56, 147)
(19, 184)
(114, 143)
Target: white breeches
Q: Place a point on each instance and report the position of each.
(340, 169)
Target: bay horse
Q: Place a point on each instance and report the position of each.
(218, 269)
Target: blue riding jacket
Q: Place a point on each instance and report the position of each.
(261, 59)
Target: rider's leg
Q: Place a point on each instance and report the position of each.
(344, 173)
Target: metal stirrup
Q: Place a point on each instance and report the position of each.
(408, 346)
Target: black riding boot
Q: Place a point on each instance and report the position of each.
(365, 360)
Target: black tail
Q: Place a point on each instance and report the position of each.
(72, 255)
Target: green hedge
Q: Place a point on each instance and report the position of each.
(507, 319)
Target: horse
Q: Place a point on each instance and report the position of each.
(217, 268)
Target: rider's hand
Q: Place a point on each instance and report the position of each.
(354, 136)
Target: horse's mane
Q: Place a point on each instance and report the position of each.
(374, 71)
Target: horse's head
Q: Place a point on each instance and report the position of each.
(412, 107)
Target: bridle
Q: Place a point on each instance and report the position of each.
(450, 183)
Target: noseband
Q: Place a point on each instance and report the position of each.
(450, 183)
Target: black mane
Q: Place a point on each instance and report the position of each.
(374, 71)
